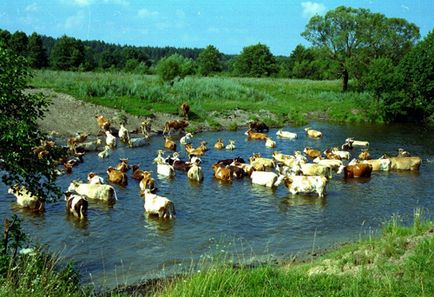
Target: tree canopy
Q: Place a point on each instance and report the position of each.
(67, 54)
(174, 66)
(255, 61)
(209, 61)
(20, 135)
(355, 36)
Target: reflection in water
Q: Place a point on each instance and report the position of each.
(76, 222)
(122, 243)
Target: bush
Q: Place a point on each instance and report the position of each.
(174, 66)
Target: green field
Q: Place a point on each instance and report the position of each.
(291, 100)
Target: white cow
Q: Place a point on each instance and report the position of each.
(379, 164)
(137, 142)
(94, 191)
(266, 178)
(270, 143)
(316, 170)
(313, 133)
(342, 154)
(353, 142)
(90, 146)
(158, 205)
(186, 139)
(286, 134)
(123, 133)
(26, 199)
(231, 145)
(306, 184)
(165, 169)
(110, 140)
(93, 178)
(195, 172)
(333, 164)
(105, 153)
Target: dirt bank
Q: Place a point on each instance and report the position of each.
(67, 115)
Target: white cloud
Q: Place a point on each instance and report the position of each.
(119, 2)
(312, 8)
(32, 7)
(404, 7)
(144, 13)
(75, 21)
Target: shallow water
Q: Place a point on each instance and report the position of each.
(121, 245)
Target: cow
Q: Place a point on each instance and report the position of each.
(195, 172)
(270, 143)
(335, 165)
(123, 165)
(353, 142)
(26, 199)
(286, 134)
(124, 135)
(287, 160)
(105, 153)
(378, 164)
(147, 183)
(145, 127)
(176, 125)
(306, 184)
(365, 155)
(159, 159)
(110, 140)
(267, 179)
(261, 164)
(358, 170)
(231, 145)
(76, 205)
(258, 126)
(158, 205)
(93, 178)
(103, 123)
(316, 170)
(312, 133)
(312, 153)
(405, 163)
(219, 144)
(343, 155)
(177, 163)
(137, 142)
(116, 176)
(104, 193)
(255, 135)
(194, 151)
(203, 146)
(331, 155)
(231, 161)
(169, 143)
(90, 146)
(167, 169)
(403, 153)
(185, 109)
(222, 172)
(137, 173)
(186, 139)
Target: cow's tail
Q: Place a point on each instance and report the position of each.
(114, 193)
(170, 211)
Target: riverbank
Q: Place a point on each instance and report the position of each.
(215, 103)
(400, 262)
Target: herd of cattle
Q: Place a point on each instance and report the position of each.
(307, 171)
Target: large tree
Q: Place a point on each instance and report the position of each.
(209, 61)
(355, 36)
(21, 160)
(255, 61)
(37, 55)
(18, 43)
(67, 54)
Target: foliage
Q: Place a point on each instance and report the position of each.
(37, 56)
(255, 61)
(174, 66)
(19, 112)
(209, 61)
(417, 73)
(18, 43)
(354, 36)
(67, 54)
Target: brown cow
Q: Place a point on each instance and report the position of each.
(103, 123)
(147, 183)
(358, 170)
(123, 165)
(219, 144)
(312, 153)
(176, 125)
(137, 173)
(185, 109)
(258, 126)
(222, 172)
(255, 135)
(364, 155)
(169, 144)
(117, 176)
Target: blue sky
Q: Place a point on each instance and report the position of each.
(228, 25)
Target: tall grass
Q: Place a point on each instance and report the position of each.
(292, 100)
(398, 263)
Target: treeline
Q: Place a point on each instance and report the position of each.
(68, 53)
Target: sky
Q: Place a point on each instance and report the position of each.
(229, 25)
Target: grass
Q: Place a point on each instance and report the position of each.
(398, 263)
(291, 100)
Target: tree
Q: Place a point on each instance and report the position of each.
(20, 136)
(255, 61)
(5, 36)
(18, 43)
(67, 54)
(37, 56)
(353, 37)
(209, 61)
(174, 66)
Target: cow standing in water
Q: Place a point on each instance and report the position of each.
(185, 109)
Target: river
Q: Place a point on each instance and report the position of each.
(121, 245)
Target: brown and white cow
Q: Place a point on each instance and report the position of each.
(117, 177)
(104, 193)
(158, 205)
(175, 125)
(169, 143)
(222, 172)
(306, 184)
(76, 205)
(103, 123)
(26, 199)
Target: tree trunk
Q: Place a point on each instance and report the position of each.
(344, 80)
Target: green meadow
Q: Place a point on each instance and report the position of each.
(290, 100)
